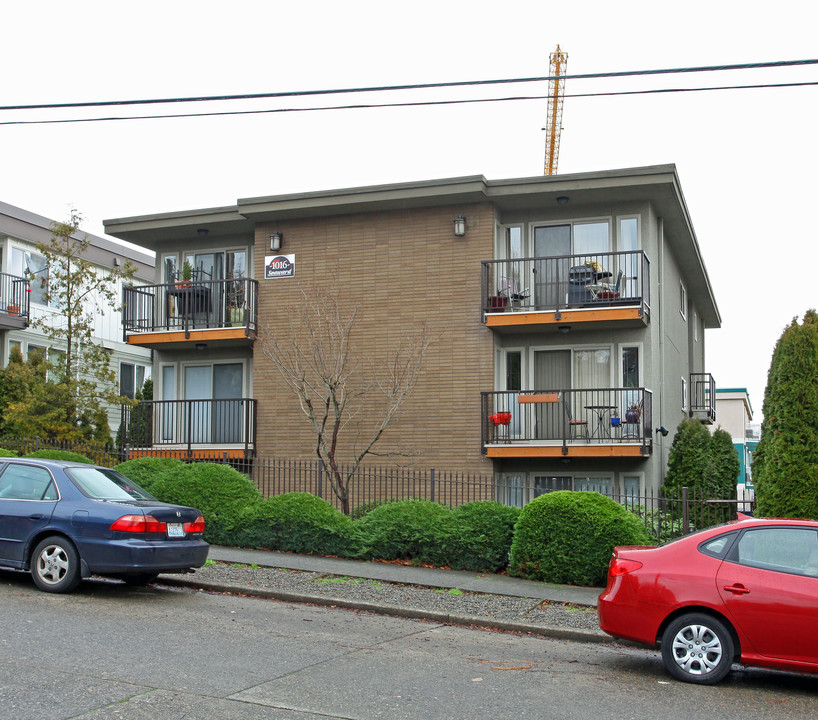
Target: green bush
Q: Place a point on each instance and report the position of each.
(219, 491)
(147, 471)
(52, 454)
(295, 522)
(7, 453)
(418, 530)
(567, 537)
(482, 536)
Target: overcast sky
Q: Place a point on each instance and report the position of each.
(746, 158)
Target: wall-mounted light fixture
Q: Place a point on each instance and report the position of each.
(564, 328)
(563, 200)
(662, 430)
(116, 262)
(201, 346)
(459, 226)
(275, 241)
(202, 232)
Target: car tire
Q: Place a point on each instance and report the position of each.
(141, 579)
(55, 565)
(698, 648)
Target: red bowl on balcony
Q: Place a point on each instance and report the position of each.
(501, 418)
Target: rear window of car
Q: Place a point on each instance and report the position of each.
(102, 484)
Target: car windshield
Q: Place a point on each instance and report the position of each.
(102, 484)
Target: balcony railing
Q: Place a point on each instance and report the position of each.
(571, 281)
(14, 297)
(192, 305)
(564, 418)
(703, 397)
(189, 424)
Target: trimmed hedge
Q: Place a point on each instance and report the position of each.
(147, 471)
(476, 536)
(7, 453)
(295, 522)
(568, 537)
(67, 455)
(219, 491)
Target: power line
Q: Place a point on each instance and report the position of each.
(419, 103)
(421, 86)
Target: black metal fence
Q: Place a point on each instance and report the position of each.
(597, 416)
(664, 516)
(570, 281)
(189, 305)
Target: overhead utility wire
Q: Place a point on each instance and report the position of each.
(418, 103)
(423, 86)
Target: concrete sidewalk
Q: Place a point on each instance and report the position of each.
(487, 583)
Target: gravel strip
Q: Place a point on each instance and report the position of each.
(502, 608)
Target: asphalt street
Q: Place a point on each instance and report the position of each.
(112, 651)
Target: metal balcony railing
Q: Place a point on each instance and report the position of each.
(191, 305)
(190, 423)
(703, 397)
(601, 416)
(15, 293)
(571, 281)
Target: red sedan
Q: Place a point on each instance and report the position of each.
(745, 592)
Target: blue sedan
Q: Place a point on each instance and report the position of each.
(66, 521)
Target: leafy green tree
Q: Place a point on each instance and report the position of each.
(785, 464)
(30, 405)
(78, 292)
(688, 456)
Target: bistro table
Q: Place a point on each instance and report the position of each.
(601, 415)
(189, 300)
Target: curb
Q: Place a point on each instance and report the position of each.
(551, 631)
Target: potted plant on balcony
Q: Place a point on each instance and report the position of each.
(633, 413)
(13, 309)
(187, 275)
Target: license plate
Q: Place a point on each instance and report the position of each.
(176, 530)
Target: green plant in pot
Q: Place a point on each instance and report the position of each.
(187, 273)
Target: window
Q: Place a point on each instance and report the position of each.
(15, 345)
(25, 263)
(27, 482)
(695, 327)
(684, 394)
(601, 485)
(549, 484)
(629, 243)
(683, 300)
(783, 549)
(131, 379)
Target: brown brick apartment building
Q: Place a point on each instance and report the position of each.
(567, 321)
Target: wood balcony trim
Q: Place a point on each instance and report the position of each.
(212, 334)
(574, 451)
(523, 318)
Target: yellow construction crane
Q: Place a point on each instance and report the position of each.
(556, 92)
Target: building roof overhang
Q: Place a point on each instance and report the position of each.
(658, 184)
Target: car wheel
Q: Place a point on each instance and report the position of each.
(697, 648)
(141, 579)
(55, 565)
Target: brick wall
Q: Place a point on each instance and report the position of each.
(404, 268)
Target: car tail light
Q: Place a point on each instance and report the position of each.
(621, 566)
(197, 526)
(139, 524)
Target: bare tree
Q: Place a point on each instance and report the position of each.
(348, 396)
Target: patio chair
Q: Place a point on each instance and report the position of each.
(577, 428)
(515, 297)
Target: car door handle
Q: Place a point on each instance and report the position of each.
(737, 589)
(36, 516)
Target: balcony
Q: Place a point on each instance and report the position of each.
(597, 423)
(598, 290)
(185, 429)
(198, 310)
(703, 398)
(14, 302)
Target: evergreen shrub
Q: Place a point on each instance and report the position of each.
(146, 471)
(294, 522)
(418, 530)
(219, 491)
(568, 537)
(53, 454)
(482, 536)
